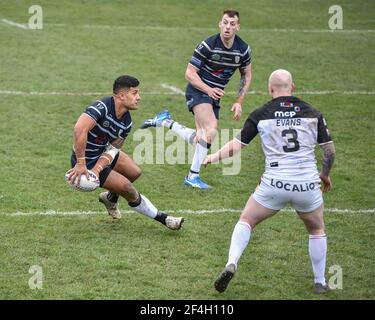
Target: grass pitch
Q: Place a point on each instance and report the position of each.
(81, 49)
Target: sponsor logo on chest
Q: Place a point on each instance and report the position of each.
(217, 57)
(112, 128)
(285, 114)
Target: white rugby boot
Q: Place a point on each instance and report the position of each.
(112, 207)
(174, 223)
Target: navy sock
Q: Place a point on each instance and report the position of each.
(161, 216)
(113, 197)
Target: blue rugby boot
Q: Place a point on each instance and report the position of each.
(157, 120)
(196, 182)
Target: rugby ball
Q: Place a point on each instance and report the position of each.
(85, 185)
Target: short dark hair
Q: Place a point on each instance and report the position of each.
(125, 82)
(232, 13)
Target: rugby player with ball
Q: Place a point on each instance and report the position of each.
(97, 160)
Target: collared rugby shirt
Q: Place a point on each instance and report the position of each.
(108, 127)
(289, 130)
(216, 63)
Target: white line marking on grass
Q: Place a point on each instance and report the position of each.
(180, 212)
(324, 92)
(276, 30)
(313, 92)
(15, 24)
(50, 93)
(189, 28)
(54, 213)
(61, 93)
(173, 89)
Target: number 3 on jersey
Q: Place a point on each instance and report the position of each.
(292, 142)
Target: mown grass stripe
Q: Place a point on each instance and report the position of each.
(208, 29)
(181, 211)
(176, 92)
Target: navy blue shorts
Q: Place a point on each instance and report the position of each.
(103, 175)
(194, 97)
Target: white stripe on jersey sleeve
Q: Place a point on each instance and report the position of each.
(206, 45)
(91, 118)
(323, 143)
(196, 68)
(248, 48)
(104, 105)
(200, 54)
(91, 107)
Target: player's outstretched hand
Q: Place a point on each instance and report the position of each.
(327, 184)
(237, 111)
(207, 160)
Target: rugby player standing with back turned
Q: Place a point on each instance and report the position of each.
(289, 130)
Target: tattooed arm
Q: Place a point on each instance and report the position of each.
(245, 81)
(328, 159)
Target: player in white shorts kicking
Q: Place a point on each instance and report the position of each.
(289, 129)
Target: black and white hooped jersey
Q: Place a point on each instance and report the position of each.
(289, 130)
(108, 127)
(216, 63)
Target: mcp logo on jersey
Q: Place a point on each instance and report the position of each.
(285, 114)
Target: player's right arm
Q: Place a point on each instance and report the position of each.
(228, 150)
(248, 132)
(83, 125)
(329, 152)
(195, 80)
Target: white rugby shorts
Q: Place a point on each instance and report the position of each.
(275, 193)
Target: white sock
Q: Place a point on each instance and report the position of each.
(201, 151)
(185, 133)
(318, 253)
(240, 238)
(167, 123)
(146, 207)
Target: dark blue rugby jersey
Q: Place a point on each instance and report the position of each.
(108, 127)
(216, 63)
